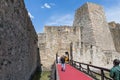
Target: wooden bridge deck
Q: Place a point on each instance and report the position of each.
(71, 74)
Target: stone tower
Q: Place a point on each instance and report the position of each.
(94, 27)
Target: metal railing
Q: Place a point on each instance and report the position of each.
(98, 73)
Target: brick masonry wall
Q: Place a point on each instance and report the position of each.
(18, 42)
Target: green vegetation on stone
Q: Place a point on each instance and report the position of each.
(42, 76)
(45, 75)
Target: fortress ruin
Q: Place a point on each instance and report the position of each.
(91, 39)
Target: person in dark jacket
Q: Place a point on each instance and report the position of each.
(115, 71)
(63, 63)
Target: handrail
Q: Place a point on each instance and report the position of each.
(53, 75)
(92, 73)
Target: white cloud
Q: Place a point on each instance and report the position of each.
(113, 13)
(46, 5)
(60, 20)
(31, 16)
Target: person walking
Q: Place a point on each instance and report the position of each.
(62, 63)
(66, 59)
(115, 71)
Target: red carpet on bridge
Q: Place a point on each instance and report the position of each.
(71, 74)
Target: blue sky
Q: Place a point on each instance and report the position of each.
(61, 12)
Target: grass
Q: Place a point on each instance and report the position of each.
(44, 75)
(41, 76)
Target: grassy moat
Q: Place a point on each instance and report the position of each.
(42, 76)
(45, 75)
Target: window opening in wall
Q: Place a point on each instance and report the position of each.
(81, 29)
(66, 53)
(74, 30)
(91, 46)
(59, 29)
(81, 44)
(90, 62)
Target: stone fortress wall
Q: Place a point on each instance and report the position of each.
(18, 42)
(56, 39)
(93, 40)
(115, 30)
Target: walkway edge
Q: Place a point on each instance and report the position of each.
(57, 72)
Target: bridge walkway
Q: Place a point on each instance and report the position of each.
(71, 73)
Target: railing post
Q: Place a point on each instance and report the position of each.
(71, 62)
(56, 57)
(75, 64)
(102, 74)
(88, 69)
(80, 66)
